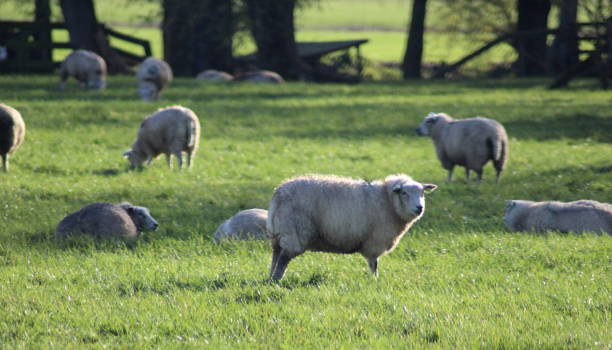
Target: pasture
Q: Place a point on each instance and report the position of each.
(457, 280)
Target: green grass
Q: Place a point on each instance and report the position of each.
(458, 280)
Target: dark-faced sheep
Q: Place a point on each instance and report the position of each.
(342, 215)
(171, 131)
(246, 224)
(12, 132)
(107, 220)
(153, 75)
(469, 143)
(578, 216)
(87, 67)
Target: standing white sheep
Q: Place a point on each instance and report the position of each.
(12, 132)
(87, 67)
(153, 75)
(467, 142)
(342, 215)
(578, 216)
(246, 224)
(170, 131)
(107, 220)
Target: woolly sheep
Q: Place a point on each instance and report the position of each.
(247, 224)
(260, 76)
(12, 132)
(342, 215)
(153, 75)
(578, 216)
(107, 220)
(468, 142)
(170, 131)
(214, 76)
(87, 67)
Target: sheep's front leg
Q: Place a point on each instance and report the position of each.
(276, 249)
(373, 263)
(189, 159)
(168, 161)
(467, 173)
(5, 165)
(450, 174)
(281, 265)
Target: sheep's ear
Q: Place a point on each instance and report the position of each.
(397, 188)
(510, 204)
(431, 114)
(429, 187)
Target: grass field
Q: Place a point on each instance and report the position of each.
(458, 280)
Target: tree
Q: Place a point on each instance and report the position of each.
(565, 46)
(411, 65)
(272, 26)
(532, 49)
(42, 15)
(198, 35)
(86, 33)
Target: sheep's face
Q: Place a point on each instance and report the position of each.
(147, 91)
(136, 159)
(427, 125)
(142, 218)
(409, 199)
(514, 211)
(96, 80)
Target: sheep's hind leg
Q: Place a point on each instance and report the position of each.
(479, 174)
(467, 173)
(450, 174)
(5, 165)
(179, 159)
(189, 159)
(169, 160)
(373, 263)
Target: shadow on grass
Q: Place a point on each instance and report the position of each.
(577, 126)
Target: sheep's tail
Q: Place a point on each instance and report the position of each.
(191, 134)
(497, 148)
(499, 154)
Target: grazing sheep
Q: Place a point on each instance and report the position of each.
(85, 66)
(12, 132)
(260, 76)
(214, 76)
(107, 220)
(342, 215)
(468, 142)
(247, 224)
(578, 216)
(170, 131)
(153, 75)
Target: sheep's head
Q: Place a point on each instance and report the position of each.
(426, 127)
(141, 216)
(514, 212)
(135, 158)
(148, 90)
(96, 79)
(408, 197)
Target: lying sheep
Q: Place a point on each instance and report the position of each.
(170, 131)
(214, 76)
(153, 75)
(12, 132)
(342, 215)
(468, 142)
(578, 216)
(260, 76)
(107, 220)
(87, 67)
(247, 224)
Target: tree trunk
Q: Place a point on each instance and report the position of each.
(272, 26)
(565, 46)
(42, 16)
(198, 35)
(411, 65)
(86, 33)
(532, 15)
